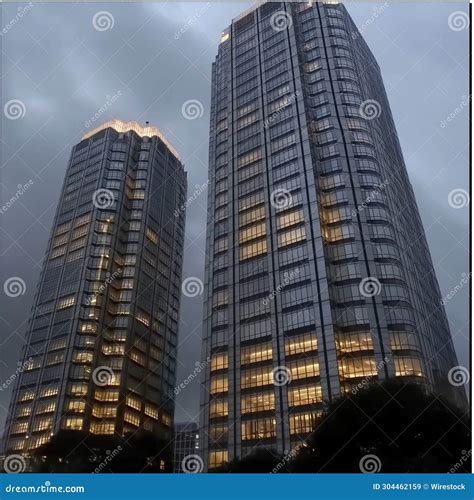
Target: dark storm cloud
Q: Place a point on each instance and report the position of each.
(156, 58)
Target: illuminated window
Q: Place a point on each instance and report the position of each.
(66, 302)
(219, 383)
(102, 428)
(20, 428)
(304, 395)
(26, 396)
(45, 407)
(291, 236)
(262, 428)
(73, 423)
(302, 423)
(290, 219)
(218, 408)
(220, 298)
(49, 391)
(151, 235)
(78, 389)
(106, 395)
(252, 215)
(408, 366)
(219, 361)
(83, 357)
(132, 418)
(151, 411)
(133, 402)
(297, 344)
(400, 341)
(104, 411)
(76, 405)
(354, 342)
(218, 458)
(363, 366)
(253, 249)
(263, 401)
(256, 353)
(304, 368)
(24, 411)
(256, 377)
(252, 232)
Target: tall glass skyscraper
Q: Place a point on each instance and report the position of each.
(318, 273)
(100, 353)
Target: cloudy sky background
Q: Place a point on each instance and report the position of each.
(158, 56)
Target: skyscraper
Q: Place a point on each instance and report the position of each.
(318, 274)
(186, 447)
(100, 352)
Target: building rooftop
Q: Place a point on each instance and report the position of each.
(142, 130)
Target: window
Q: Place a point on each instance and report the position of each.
(263, 401)
(66, 302)
(292, 236)
(306, 342)
(219, 361)
(218, 408)
(253, 249)
(363, 366)
(304, 395)
(219, 384)
(304, 368)
(73, 423)
(256, 353)
(290, 219)
(408, 366)
(302, 423)
(217, 458)
(252, 232)
(256, 377)
(262, 428)
(354, 342)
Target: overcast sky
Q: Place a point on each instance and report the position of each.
(62, 65)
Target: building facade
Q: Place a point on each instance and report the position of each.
(186, 447)
(100, 352)
(318, 273)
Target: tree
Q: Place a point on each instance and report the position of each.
(76, 451)
(391, 427)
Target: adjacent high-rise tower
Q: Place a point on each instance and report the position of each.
(100, 353)
(318, 273)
